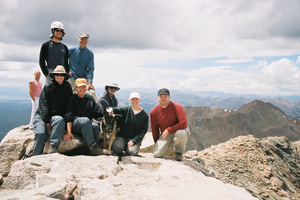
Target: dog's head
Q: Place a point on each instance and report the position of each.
(109, 121)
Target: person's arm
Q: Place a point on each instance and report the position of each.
(121, 110)
(31, 87)
(43, 58)
(117, 102)
(71, 50)
(69, 134)
(154, 126)
(97, 111)
(67, 68)
(91, 69)
(69, 116)
(43, 105)
(181, 117)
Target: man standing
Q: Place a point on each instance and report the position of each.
(51, 112)
(35, 89)
(108, 98)
(170, 119)
(81, 61)
(53, 52)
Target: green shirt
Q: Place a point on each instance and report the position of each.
(132, 127)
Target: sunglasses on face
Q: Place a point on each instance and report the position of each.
(113, 88)
(59, 30)
(59, 75)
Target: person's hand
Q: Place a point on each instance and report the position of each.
(109, 110)
(70, 73)
(48, 126)
(91, 87)
(165, 134)
(130, 144)
(68, 136)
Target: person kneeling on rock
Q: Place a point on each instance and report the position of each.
(80, 111)
(133, 127)
(169, 126)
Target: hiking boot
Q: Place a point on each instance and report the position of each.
(53, 149)
(95, 150)
(179, 156)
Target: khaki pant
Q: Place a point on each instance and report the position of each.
(179, 138)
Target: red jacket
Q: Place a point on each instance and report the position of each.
(171, 118)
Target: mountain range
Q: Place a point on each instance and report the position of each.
(211, 126)
(14, 113)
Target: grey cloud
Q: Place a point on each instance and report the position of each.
(110, 23)
(140, 24)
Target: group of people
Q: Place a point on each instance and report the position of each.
(67, 105)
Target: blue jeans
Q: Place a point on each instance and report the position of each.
(57, 124)
(90, 130)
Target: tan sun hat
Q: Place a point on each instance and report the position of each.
(59, 70)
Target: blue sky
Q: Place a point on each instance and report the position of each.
(234, 46)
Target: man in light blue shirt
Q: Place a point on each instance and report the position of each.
(81, 63)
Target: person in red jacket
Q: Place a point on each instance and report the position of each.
(169, 126)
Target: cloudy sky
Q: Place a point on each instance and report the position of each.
(232, 46)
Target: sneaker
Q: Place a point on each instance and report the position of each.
(179, 156)
(53, 149)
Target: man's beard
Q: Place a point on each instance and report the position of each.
(59, 38)
(110, 92)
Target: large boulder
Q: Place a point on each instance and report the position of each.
(13, 147)
(56, 176)
(20, 140)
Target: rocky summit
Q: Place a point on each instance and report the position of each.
(244, 167)
(268, 168)
(57, 176)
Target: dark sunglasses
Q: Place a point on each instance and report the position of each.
(59, 74)
(59, 30)
(113, 88)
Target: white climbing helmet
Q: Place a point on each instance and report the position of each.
(57, 24)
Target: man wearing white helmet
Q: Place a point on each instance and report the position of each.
(53, 52)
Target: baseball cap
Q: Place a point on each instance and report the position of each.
(134, 95)
(84, 35)
(163, 91)
(80, 81)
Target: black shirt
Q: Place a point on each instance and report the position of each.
(82, 107)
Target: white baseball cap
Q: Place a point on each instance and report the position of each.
(134, 95)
